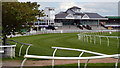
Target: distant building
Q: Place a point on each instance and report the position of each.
(47, 20)
(49, 17)
(113, 22)
(74, 16)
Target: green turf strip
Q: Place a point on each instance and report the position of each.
(42, 44)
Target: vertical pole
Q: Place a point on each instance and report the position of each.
(86, 63)
(11, 52)
(23, 62)
(107, 41)
(116, 64)
(27, 50)
(118, 42)
(20, 50)
(79, 60)
(78, 36)
(100, 40)
(14, 51)
(53, 56)
(90, 39)
(94, 39)
(84, 38)
(87, 38)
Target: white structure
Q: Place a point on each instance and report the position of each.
(50, 15)
(53, 57)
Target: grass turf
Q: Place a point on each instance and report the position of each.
(42, 44)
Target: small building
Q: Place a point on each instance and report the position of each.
(50, 15)
(74, 16)
(44, 22)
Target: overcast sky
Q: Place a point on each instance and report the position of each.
(103, 7)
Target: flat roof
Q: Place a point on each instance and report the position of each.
(113, 17)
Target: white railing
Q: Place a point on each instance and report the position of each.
(2, 51)
(62, 31)
(72, 58)
(22, 44)
(12, 48)
(84, 37)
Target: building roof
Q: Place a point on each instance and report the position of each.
(113, 17)
(90, 15)
(82, 14)
(61, 15)
(74, 7)
(94, 15)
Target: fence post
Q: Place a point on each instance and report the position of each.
(23, 62)
(79, 60)
(61, 31)
(94, 39)
(86, 63)
(100, 40)
(90, 39)
(11, 52)
(108, 41)
(116, 64)
(53, 56)
(20, 50)
(87, 38)
(118, 42)
(79, 37)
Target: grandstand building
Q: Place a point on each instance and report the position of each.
(113, 22)
(74, 16)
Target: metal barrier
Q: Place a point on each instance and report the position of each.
(2, 51)
(22, 44)
(11, 49)
(62, 31)
(84, 36)
(71, 58)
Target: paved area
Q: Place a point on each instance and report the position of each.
(57, 62)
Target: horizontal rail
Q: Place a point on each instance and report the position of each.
(79, 50)
(100, 36)
(20, 42)
(71, 58)
(1, 52)
(8, 46)
(110, 36)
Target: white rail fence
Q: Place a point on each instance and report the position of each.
(12, 48)
(61, 31)
(22, 44)
(11, 52)
(85, 37)
(72, 58)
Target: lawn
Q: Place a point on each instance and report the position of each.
(42, 44)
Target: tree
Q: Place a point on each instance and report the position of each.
(16, 16)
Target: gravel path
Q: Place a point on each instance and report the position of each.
(57, 62)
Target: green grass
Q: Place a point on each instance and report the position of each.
(42, 44)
